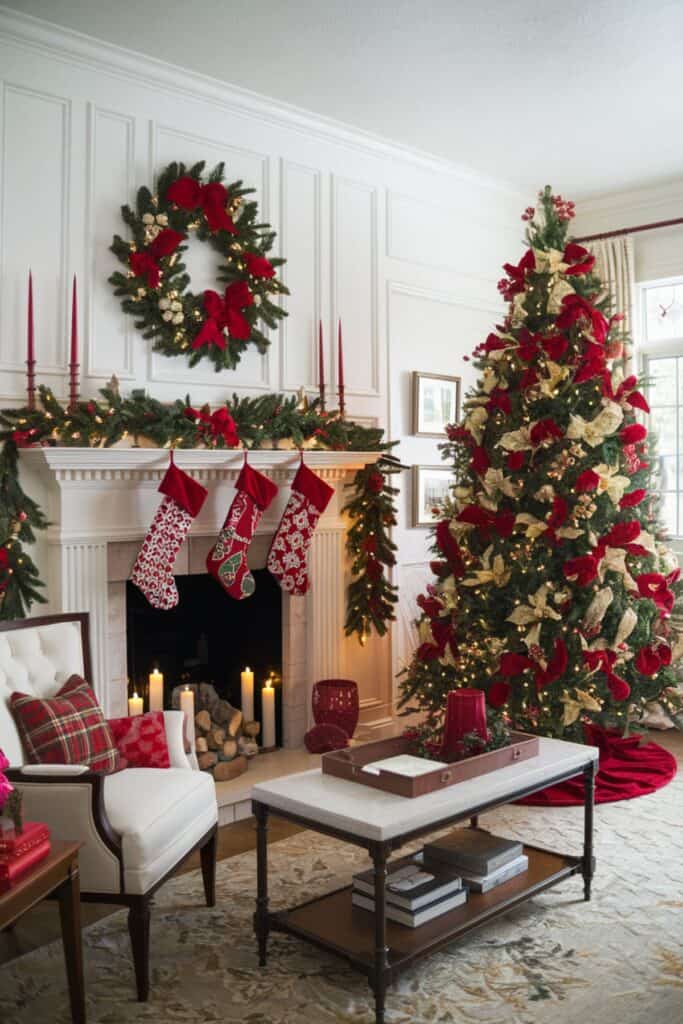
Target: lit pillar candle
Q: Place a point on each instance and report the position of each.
(156, 691)
(268, 714)
(247, 680)
(187, 704)
(134, 705)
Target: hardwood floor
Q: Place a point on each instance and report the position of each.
(41, 925)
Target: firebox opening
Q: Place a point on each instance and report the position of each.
(207, 638)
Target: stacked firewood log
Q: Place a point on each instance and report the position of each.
(224, 742)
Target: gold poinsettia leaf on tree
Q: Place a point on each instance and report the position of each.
(573, 706)
(594, 431)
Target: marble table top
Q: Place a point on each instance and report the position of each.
(373, 814)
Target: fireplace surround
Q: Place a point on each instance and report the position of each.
(100, 503)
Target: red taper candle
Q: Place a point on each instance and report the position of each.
(321, 365)
(73, 362)
(340, 374)
(74, 325)
(465, 713)
(30, 351)
(30, 354)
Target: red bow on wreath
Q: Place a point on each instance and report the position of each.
(213, 198)
(222, 313)
(147, 261)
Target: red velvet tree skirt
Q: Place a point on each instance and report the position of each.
(628, 768)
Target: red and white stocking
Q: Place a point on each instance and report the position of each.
(288, 555)
(153, 569)
(227, 561)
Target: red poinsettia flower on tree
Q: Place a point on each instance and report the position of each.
(580, 260)
(516, 276)
(655, 586)
(577, 310)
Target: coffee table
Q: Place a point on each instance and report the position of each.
(381, 823)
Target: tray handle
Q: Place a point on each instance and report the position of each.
(446, 776)
(516, 753)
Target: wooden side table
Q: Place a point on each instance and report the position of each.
(56, 877)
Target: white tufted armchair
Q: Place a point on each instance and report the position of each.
(136, 825)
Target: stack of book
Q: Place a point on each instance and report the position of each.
(482, 859)
(20, 851)
(414, 895)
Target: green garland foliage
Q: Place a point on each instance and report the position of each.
(155, 286)
(372, 509)
(250, 422)
(20, 583)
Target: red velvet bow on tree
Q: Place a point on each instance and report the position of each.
(227, 313)
(147, 262)
(212, 198)
(604, 660)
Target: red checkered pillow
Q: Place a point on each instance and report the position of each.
(68, 728)
(141, 740)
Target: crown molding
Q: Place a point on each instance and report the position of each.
(649, 197)
(75, 47)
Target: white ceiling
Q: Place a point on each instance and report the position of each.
(585, 95)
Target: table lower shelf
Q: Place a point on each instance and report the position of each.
(333, 923)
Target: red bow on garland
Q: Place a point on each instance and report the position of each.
(212, 198)
(212, 425)
(147, 262)
(225, 313)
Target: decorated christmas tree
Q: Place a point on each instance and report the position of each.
(553, 584)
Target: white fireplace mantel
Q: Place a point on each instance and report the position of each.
(102, 500)
(111, 493)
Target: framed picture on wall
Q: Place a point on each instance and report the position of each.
(436, 403)
(431, 486)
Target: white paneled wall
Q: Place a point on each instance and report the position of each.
(405, 249)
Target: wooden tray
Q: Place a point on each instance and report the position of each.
(348, 764)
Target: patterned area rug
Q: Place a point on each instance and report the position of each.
(617, 960)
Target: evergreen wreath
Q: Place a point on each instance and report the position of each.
(155, 287)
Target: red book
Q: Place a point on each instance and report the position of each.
(13, 843)
(12, 869)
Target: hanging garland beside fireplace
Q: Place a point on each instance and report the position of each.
(241, 422)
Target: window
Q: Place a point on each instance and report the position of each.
(661, 348)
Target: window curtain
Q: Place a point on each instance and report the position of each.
(615, 264)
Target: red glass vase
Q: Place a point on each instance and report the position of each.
(465, 713)
(335, 702)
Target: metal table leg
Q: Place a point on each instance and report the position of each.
(589, 802)
(261, 919)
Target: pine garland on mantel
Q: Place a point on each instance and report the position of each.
(251, 423)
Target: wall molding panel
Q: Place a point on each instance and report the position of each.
(347, 206)
(354, 283)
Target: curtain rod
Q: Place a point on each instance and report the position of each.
(630, 231)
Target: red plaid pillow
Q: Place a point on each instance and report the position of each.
(141, 740)
(68, 728)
